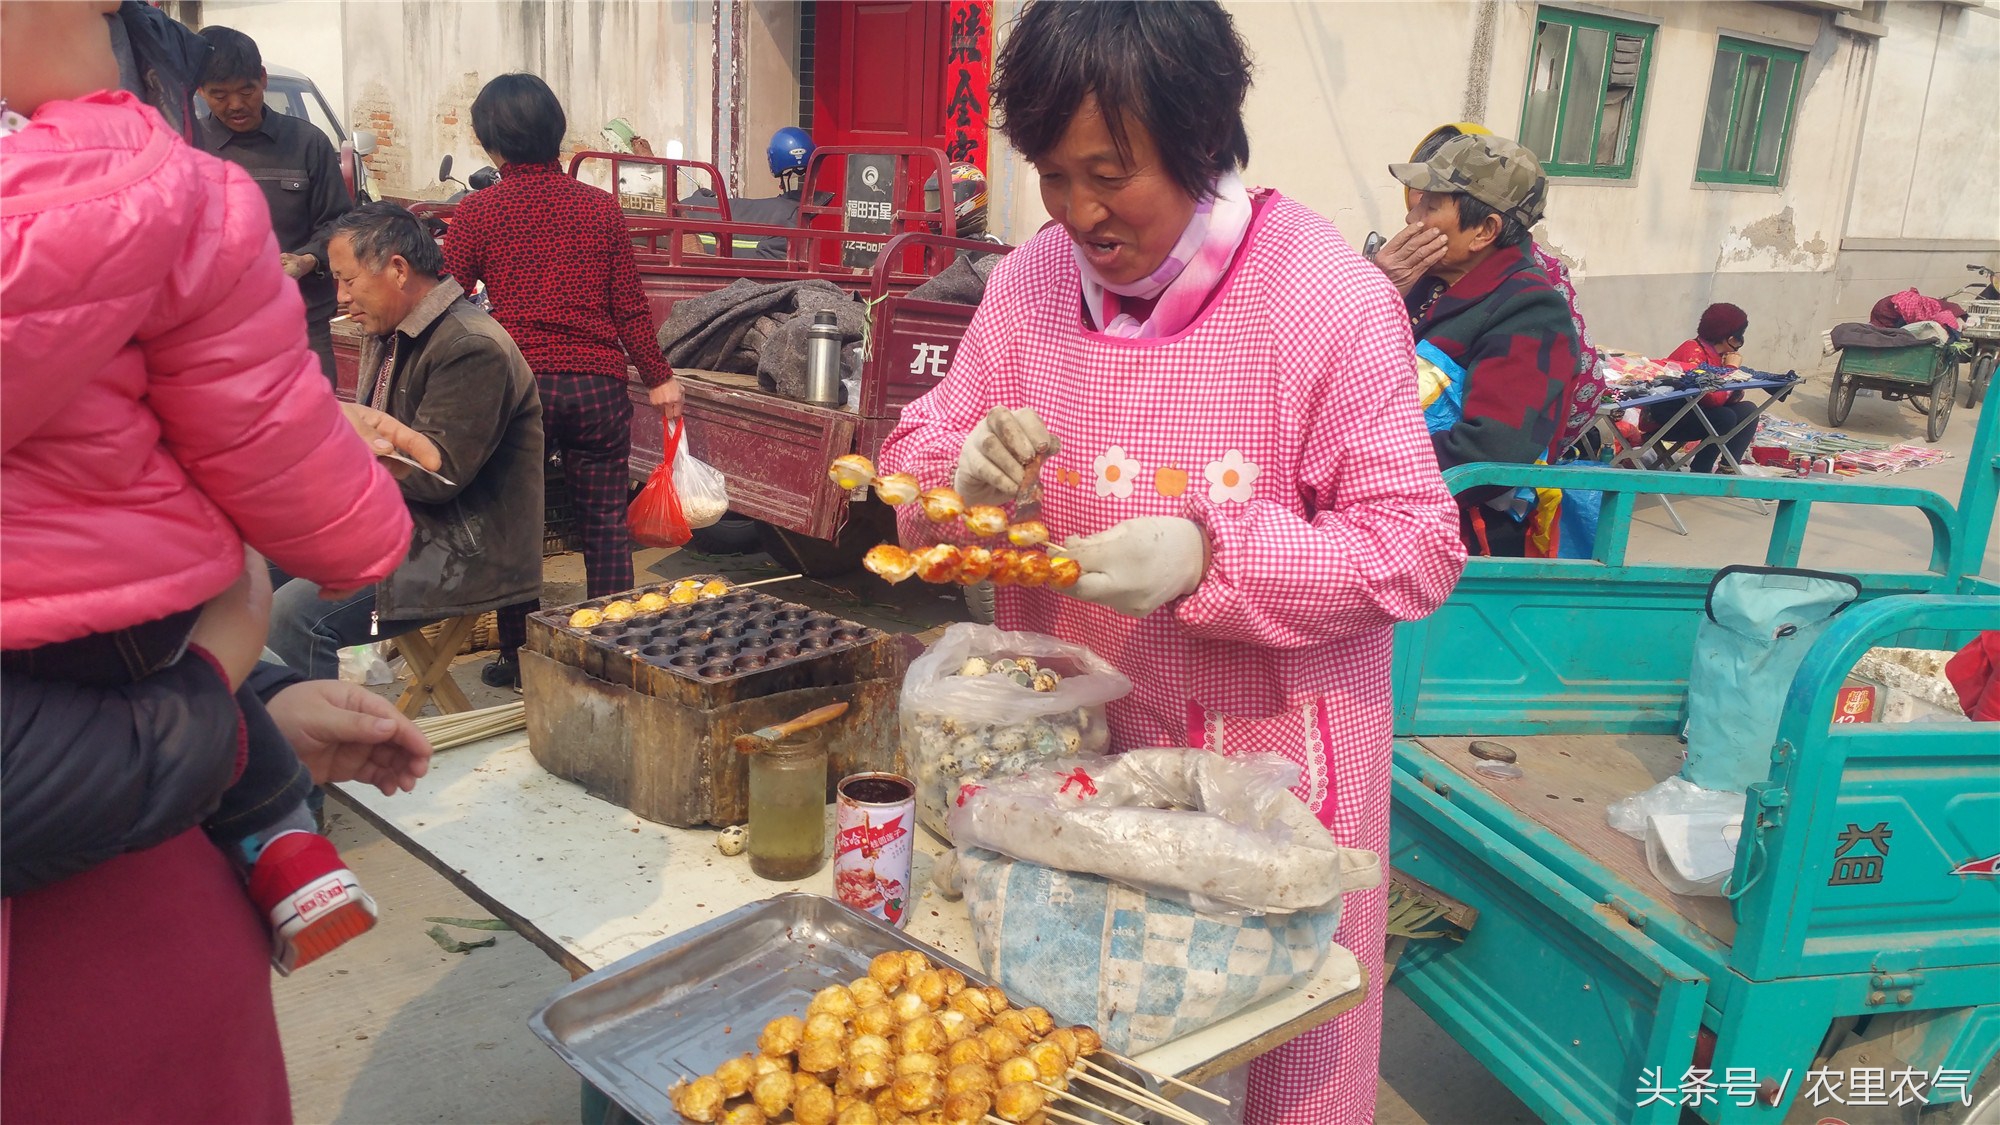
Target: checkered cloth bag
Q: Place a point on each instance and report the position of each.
(1140, 969)
(1152, 893)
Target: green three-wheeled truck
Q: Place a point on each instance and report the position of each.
(1852, 972)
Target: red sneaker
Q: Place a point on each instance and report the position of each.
(314, 904)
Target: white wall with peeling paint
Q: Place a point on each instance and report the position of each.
(422, 61)
(301, 34)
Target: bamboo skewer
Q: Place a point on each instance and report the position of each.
(1116, 1077)
(1167, 1078)
(766, 581)
(1067, 1096)
(1138, 1095)
(448, 731)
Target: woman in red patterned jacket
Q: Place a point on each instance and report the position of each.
(557, 263)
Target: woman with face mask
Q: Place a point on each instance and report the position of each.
(1216, 395)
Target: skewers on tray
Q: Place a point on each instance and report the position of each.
(1022, 564)
(913, 1043)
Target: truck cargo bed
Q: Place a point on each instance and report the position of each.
(1568, 781)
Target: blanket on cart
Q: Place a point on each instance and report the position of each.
(758, 328)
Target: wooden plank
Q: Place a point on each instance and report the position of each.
(1567, 783)
(735, 379)
(589, 882)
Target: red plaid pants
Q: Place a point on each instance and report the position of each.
(587, 420)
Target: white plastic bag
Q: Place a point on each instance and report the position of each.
(1224, 835)
(971, 710)
(365, 665)
(1674, 795)
(703, 490)
(1693, 853)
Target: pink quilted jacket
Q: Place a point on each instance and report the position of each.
(158, 406)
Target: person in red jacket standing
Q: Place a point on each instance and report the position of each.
(1717, 339)
(560, 277)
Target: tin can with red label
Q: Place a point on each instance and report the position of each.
(874, 836)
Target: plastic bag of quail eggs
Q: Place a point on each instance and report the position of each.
(985, 702)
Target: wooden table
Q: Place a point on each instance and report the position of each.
(589, 882)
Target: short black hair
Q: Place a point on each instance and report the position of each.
(1472, 212)
(1178, 69)
(1432, 142)
(518, 119)
(382, 230)
(232, 57)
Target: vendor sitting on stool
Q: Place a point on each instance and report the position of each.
(438, 365)
(1717, 339)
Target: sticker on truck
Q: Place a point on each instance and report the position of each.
(1988, 866)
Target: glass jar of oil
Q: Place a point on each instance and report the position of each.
(788, 807)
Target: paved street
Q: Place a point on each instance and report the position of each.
(393, 1029)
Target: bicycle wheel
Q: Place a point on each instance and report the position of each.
(1839, 397)
(1982, 377)
(1944, 393)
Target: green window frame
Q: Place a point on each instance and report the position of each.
(1746, 128)
(1586, 93)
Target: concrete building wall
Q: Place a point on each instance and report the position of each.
(770, 88)
(414, 66)
(1923, 196)
(302, 34)
(1931, 146)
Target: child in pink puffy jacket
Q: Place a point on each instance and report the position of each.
(159, 409)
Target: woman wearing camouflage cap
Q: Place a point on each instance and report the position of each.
(1493, 318)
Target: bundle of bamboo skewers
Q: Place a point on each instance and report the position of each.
(448, 731)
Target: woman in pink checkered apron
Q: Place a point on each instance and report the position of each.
(1219, 396)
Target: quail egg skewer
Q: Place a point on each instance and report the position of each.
(851, 472)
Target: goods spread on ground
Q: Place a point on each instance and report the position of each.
(912, 1042)
(1796, 444)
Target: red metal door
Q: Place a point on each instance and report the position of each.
(878, 72)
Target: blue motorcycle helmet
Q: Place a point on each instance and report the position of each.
(789, 150)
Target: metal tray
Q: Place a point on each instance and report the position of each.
(682, 1006)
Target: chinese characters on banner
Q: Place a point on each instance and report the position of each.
(968, 63)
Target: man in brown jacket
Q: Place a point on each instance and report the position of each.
(439, 365)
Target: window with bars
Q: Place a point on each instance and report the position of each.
(1747, 127)
(808, 19)
(1586, 86)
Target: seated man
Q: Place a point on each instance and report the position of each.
(1490, 312)
(445, 369)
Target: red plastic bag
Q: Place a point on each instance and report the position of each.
(655, 514)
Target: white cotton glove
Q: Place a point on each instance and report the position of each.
(998, 453)
(1139, 565)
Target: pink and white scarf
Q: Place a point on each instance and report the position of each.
(1182, 283)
